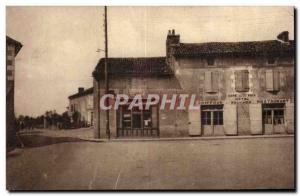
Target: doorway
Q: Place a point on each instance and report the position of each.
(273, 118)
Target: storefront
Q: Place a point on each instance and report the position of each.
(212, 120)
(273, 118)
(136, 122)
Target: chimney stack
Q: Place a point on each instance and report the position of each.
(283, 36)
(172, 38)
(80, 89)
(172, 42)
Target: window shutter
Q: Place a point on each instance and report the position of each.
(245, 79)
(276, 80)
(230, 119)
(269, 80)
(119, 117)
(289, 117)
(194, 122)
(208, 82)
(255, 112)
(272, 80)
(215, 81)
(238, 81)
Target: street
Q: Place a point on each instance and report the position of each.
(260, 163)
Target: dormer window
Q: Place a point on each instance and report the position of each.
(210, 61)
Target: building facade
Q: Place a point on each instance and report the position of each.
(81, 103)
(242, 88)
(12, 49)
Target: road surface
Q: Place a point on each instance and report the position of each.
(260, 163)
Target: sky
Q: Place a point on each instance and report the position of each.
(60, 43)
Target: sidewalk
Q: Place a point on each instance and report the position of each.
(186, 138)
(86, 134)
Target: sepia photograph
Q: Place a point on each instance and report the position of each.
(115, 98)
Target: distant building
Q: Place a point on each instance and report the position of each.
(243, 88)
(12, 49)
(82, 104)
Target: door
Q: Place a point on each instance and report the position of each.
(273, 118)
(194, 123)
(212, 120)
(243, 118)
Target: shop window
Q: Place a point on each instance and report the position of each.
(272, 80)
(212, 115)
(147, 121)
(278, 117)
(126, 118)
(267, 116)
(242, 80)
(206, 118)
(211, 81)
(218, 117)
(136, 118)
(273, 114)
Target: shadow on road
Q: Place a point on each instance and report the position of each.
(31, 141)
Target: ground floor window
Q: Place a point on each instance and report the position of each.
(273, 114)
(137, 122)
(212, 114)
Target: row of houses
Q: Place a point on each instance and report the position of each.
(242, 88)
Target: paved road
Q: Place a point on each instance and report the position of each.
(199, 164)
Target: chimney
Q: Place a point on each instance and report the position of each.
(172, 40)
(80, 89)
(283, 36)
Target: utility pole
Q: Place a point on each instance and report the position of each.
(106, 71)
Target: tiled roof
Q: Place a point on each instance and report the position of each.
(253, 47)
(86, 92)
(134, 66)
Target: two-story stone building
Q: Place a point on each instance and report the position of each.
(82, 103)
(242, 88)
(12, 49)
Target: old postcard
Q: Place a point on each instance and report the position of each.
(150, 98)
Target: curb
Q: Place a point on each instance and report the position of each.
(188, 138)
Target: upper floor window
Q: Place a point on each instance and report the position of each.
(9, 62)
(211, 81)
(272, 80)
(9, 52)
(242, 80)
(210, 61)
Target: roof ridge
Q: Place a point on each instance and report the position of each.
(232, 42)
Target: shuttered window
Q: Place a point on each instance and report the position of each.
(242, 80)
(211, 81)
(272, 80)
